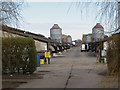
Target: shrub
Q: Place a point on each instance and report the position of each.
(18, 53)
(113, 54)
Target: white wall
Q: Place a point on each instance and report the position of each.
(40, 46)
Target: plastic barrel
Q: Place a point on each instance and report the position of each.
(38, 60)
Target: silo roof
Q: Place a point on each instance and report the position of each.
(55, 26)
(98, 26)
(68, 36)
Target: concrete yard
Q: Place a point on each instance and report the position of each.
(71, 69)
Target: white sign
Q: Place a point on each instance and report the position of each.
(45, 48)
(105, 45)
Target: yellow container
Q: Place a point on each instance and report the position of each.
(41, 61)
(47, 54)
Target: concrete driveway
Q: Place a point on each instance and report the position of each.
(71, 69)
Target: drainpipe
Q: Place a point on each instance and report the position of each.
(47, 46)
(48, 43)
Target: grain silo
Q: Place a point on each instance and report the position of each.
(64, 38)
(88, 38)
(69, 39)
(84, 39)
(56, 33)
(98, 32)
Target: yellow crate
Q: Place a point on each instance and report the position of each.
(41, 61)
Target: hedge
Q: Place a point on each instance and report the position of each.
(18, 55)
(113, 54)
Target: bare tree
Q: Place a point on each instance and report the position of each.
(109, 15)
(10, 11)
(107, 12)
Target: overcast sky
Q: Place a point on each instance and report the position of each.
(39, 17)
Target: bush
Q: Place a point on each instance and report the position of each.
(113, 54)
(18, 54)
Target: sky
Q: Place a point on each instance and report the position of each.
(39, 17)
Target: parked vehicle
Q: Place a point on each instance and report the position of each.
(84, 47)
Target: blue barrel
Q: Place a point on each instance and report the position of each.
(38, 60)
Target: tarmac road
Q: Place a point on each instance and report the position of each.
(71, 69)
